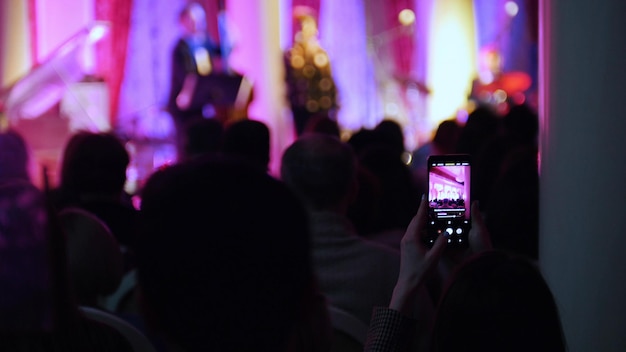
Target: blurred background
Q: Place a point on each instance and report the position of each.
(106, 64)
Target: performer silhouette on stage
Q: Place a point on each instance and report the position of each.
(195, 54)
(310, 87)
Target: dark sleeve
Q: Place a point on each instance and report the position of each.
(182, 64)
(389, 331)
(215, 50)
(183, 59)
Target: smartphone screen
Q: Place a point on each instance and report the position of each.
(449, 198)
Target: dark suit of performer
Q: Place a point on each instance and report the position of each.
(310, 87)
(192, 56)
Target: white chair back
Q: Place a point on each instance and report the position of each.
(137, 340)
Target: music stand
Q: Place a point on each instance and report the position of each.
(227, 93)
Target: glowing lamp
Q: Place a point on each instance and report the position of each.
(511, 8)
(406, 17)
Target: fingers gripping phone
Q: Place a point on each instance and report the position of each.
(449, 199)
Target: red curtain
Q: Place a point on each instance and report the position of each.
(393, 42)
(112, 49)
(212, 8)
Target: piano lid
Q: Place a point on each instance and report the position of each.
(46, 83)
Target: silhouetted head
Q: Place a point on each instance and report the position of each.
(398, 194)
(522, 124)
(363, 139)
(512, 210)
(203, 136)
(94, 164)
(223, 256)
(322, 123)
(248, 139)
(481, 126)
(498, 302)
(389, 133)
(193, 19)
(14, 156)
(321, 170)
(447, 136)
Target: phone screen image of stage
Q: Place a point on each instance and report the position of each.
(448, 189)
(449, 200)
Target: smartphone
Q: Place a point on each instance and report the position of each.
(449, 200)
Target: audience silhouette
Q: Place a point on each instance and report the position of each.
(203, 136)
(493, 301)
(223, 260)
(498, 302)
(322, 123)
(250, 140)
(389, 196)
(354, 273)
(222, 255)
(93, 174)
(443, 142)
(37, 311)
(507, 177)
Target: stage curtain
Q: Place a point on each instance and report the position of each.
(394, 44)
(402, 44)
(32, 22)
(112, 49)
(212, 8)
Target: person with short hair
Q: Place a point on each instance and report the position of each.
(355, 274)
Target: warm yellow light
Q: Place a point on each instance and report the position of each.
(326, 84)
(320, 60)
(499, 96)
(406, 17)
(15, 41)
(451, 58)
(297, 61)
(203, 61)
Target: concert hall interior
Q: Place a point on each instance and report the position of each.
(110, 66)
(410, 61)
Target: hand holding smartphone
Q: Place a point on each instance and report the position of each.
(449, 201)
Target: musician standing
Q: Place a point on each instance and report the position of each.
(194, 54)
(311, 89)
